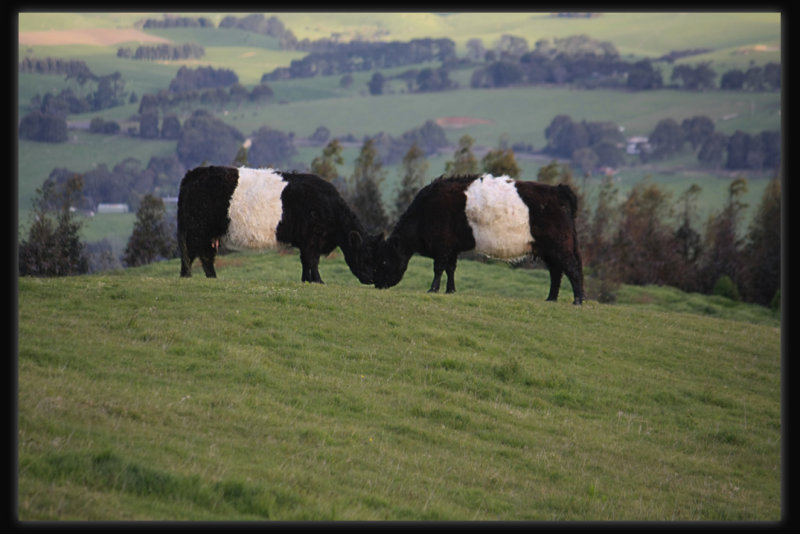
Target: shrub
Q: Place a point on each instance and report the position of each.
(726, 287)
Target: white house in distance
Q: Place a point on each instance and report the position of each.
(637, 144)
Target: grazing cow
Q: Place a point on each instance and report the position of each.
(496, 216)
(260, 208)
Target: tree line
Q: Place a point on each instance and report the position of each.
(164, 52)
(589, 145)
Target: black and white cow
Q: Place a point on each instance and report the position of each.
(262, 208)
(495, 216)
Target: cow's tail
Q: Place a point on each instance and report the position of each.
(566, 193)
(186, 267)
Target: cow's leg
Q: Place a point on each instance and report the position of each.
(310, 260)
(438, 269)
(555, 279)
(451, 275)
(206, 251)
(186, 262)
(208, 266)
(574, 271)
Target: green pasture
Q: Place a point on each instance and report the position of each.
(143, 396)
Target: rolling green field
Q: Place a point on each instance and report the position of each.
(256, 397)
(516, 114)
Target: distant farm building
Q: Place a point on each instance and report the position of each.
(637, 145)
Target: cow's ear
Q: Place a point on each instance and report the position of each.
(355, 239)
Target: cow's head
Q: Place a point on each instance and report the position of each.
(391, 263)
(361, 257)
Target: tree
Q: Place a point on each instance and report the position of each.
(697, 130)
(695, 78)
(713, 150)
(501, 162)
(738, 146)
(666, 139)
(732, 80)
(320, 135)
(465, 161)
(38, 126)
(644, 246)
(261, 93)
(325, 165)
(608, 154)
(171, 127)
(271, 148)
(762, 253)
(364, 194)
(148, 125)
(772, 75)
(770, 143)
(475, 49)
(414, 168)
(53, 247)
(642, 75)
(376, 84)
(511, 45)
(152, 236)
(597, 250)
(205, 138)
(548, 174)
(754, 79)
(722, 244)
(586, 159)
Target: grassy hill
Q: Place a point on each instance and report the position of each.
(253, 396)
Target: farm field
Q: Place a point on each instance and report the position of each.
(143, 396)
(300, 106)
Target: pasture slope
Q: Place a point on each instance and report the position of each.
(255, 397)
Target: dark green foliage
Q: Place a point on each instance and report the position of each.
(38, 126)
(271, 148)
(202, 78)
(762, 254)
(725, 287)
(758, 151)
(642, 75)
(165, 52)
(586, 143)
(465, 161)
(53, 246)
(697, 78)
(501, 162)
(206, 138)
(148, 125)
(153, 237)
(171, 127)
(414, 177)
(376, 84)
(98, 125)
(364, 195)
(666, 140)
(324, 166)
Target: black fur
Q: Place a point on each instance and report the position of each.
(315, 219)
(435, 226)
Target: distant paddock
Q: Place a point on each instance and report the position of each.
(88, 36)
(461, 122)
